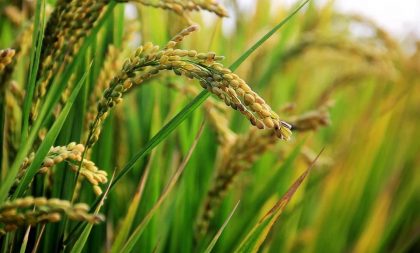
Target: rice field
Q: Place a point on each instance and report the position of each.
(153, 126)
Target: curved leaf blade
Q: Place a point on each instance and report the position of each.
(259, 232)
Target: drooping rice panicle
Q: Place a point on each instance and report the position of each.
(112, 64)
(31, 211)
(148, 61)
(64, 34)
(72, 155)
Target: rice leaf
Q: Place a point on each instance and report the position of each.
(25, 240)
(220, 231)
(132, 240)
(37, 37)
(259, 232)
(132, 209)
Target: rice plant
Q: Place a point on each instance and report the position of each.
(147, 126)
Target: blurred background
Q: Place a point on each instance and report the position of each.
(400, 18)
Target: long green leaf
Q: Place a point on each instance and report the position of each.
(220, 231)
(259, 232)
(128, 247)
(265, 191)
(25, 240)
(37, 38)
(132, 209)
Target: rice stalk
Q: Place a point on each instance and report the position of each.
(110, 68)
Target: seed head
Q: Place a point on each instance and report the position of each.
(148, 61)
(6, 57)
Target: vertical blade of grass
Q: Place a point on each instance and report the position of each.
(129, 245)
(219, 232)
(37, 38)
(132, 209)
(80, 243)
(25, 240)
(259, 232)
